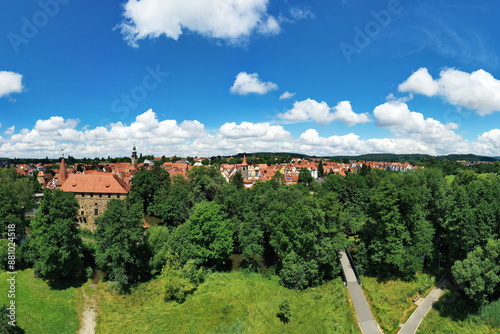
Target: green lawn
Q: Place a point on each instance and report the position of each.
(450, 178)
(391, 301)
(152, 221)
(451, 314)
(40, 309)
(227, 303)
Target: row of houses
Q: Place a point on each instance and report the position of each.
(95, 186)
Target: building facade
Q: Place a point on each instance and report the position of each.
(93, 192)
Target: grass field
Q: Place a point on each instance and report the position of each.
(451, 314)
(391, 301)
(152, 221)
(450, 178)
(227, 303)
(39, 308)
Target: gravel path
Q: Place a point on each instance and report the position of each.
(89, 317)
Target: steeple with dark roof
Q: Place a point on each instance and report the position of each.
(134, 157)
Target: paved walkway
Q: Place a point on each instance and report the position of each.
(363, 312)
(411, 326)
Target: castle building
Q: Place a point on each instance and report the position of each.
(93, 192)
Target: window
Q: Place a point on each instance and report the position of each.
(100, 195)
(96, 212)
(83, 213)
(91, 195)
(117, 196)
(109, 195)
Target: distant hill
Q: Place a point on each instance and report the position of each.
(287, 155)
(270, 156)
(384, 157)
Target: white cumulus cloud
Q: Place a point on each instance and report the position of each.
(261, 131)
(488, 143)
(286, 95)
(10, 130)
(321, 113)
(230, 20)
(10, 82)
(344, 113)
(404, 123)
(55, 123)
(246, 83)
(420, 82)
(478, 90)
(410, 132)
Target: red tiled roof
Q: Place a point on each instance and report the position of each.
(95, 183)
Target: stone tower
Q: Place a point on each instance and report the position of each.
(134, 157)
(244, 168)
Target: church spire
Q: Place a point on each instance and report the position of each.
(134, 156)
(244, 162)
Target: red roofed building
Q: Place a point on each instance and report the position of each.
(93, 192)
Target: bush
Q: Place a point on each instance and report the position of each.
(179, 282)
(285, 313)
(89, 272)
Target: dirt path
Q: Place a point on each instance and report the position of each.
(89, 316)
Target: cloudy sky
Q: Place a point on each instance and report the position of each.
(209, 77)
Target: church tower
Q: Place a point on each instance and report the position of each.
(244, 168)
(134, 157)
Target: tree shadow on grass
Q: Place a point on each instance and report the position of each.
(64, 284)
(455, 306)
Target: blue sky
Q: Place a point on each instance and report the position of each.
(202, 78)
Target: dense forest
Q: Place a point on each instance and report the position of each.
(396, 225)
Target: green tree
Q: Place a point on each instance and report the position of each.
(4, 253)
(280, 178)
(237, 180)
(206, 183)
(121, 251)
(479, 273)
(398, 236)
(308, 244)
(335, 183)
(16, 199)
(305, 177)
(8, 325)
(365, 170)
(157, 240)
(209, 234)
(174, 204)
(285, 313)
(299, 273)
(180, 281)
(321, 169)
(57, 245)
(474, 216)
(145, 185)
(251, 238)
